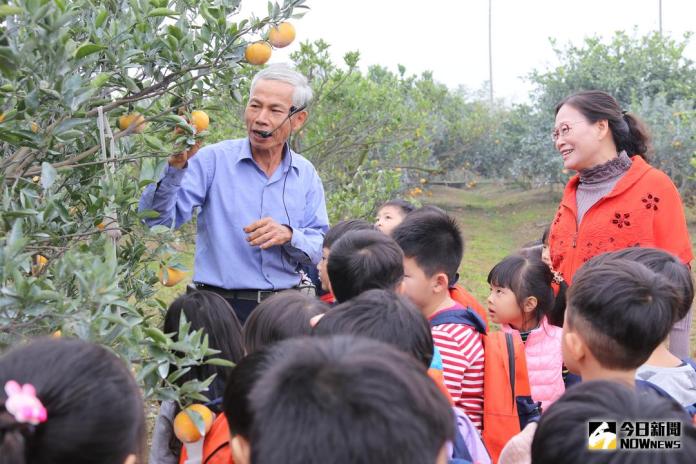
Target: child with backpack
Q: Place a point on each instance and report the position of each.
(663, 371)
(492, 389)
(211, 313)
(433, 249)
(521, 296)
(618, 312)
(68, 402)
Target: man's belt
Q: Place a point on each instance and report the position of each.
(250, 295)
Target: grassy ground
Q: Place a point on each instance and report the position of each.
(496, 220)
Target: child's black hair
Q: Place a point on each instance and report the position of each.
(385, 316)
(622, 310)
(211, 313)
(562, 434)
(94, 408)
(403, 205)
(280, 316)
(663, 263)
(347, 399)
(526, 276)
(433, 240)
(339, 229)
(236, 399)
(362, 260)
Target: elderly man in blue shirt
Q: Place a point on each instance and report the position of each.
(261, 207)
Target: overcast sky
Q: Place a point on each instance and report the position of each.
(450, 37)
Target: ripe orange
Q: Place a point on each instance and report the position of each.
(128, 119)
(2, 117)
(258, 53)
(34, 127)
(281, 35)
(184, 427)
(200, 120)
(40, 262)
(174, 276)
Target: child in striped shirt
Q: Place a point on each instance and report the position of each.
(433, 249)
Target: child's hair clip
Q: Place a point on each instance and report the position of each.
(23, 404)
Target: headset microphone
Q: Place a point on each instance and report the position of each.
(293, 111)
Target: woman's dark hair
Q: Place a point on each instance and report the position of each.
(526, 276)
(385, 316)
(629, 132)
(281, 316)
(211, 313)
(94, 408)
(545, 235)
(562, 435)
(663, 263)
(403, 205)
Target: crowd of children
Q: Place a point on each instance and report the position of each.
(393, 362)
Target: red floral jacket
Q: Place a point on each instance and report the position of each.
(644, 209)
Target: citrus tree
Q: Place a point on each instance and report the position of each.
(94, 95)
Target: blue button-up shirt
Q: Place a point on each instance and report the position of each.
(231, 192)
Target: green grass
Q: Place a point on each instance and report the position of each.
(496, 221)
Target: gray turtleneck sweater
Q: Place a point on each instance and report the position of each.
(599, 181)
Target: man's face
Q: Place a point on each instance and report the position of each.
(268, 108)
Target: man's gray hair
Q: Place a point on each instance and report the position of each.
(302, 94)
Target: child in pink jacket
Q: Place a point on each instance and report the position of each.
(521, 296)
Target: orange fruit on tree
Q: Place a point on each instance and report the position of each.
(200, 120)
(173, 276)
(184, 427)
(40, 262)
(281, 35)
(258, 52)
(34, 127)
(2, 117)
(128, 119)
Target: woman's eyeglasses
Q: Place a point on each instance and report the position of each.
(563, 130)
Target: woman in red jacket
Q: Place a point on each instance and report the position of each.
(617, 199)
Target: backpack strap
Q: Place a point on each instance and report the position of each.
(511, 362)
(459, 448)
(465, 316)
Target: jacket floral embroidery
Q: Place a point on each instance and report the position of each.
(644, 209)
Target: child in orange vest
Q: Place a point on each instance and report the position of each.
(211, 313)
